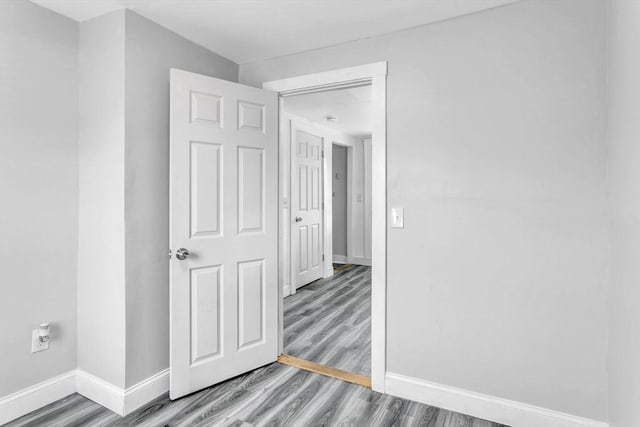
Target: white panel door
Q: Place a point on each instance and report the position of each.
(306, 196)
(224, 169)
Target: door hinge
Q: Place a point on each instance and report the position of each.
(323, 257)
(322, 153)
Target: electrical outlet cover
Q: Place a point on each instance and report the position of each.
(36, 345)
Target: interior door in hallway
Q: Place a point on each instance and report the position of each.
(307, 201)
(223, 230)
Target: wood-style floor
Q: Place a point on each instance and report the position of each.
(329, 321)
(279, 395)
(275, 395)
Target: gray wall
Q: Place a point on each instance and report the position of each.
(495, 150)
(38, 191)
(151, 51)
(624, 173)
(85, 134)
(101, 274)
(339, 190)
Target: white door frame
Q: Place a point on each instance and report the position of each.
(376, 75)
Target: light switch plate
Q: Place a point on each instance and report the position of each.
(397, 217)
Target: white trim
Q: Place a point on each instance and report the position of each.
(327, 79)
(145, 391)
(340, 259)
(284, 252)
(359, 260)
(100, 391)
(480, 405)
(117, 399)
(286, 291)
(284, 198)
(31, 398)
(379, 231)
(374, 74)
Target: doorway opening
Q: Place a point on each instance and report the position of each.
(327, 319)
(231, 221)
(327, 314)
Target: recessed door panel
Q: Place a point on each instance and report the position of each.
(251, 116)
(303, 249)
(315, 245)
(315, 152)
(314, 187)
(303, 149)
(206, 313)
(250, 303)
(303, 188)
(206, 108)
(205, 183)
(250, 189)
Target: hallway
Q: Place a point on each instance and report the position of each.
(329, 321)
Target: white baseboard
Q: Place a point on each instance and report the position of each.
(361, 261)
(480, 405)
(31, 398)
(120, 401)
(340, 259)
(123, 402)
(100, 391)
(117, 399)
(145, 391)
(286, 291)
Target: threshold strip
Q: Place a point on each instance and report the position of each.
(327, 371)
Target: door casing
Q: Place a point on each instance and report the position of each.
(376, 75)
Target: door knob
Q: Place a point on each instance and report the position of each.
(182, 254)
(298, 219)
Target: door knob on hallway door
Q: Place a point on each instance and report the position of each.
(298, 219)
(182, 254)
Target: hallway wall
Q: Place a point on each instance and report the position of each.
(340, 198)
(624, 182)
(496, 136)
